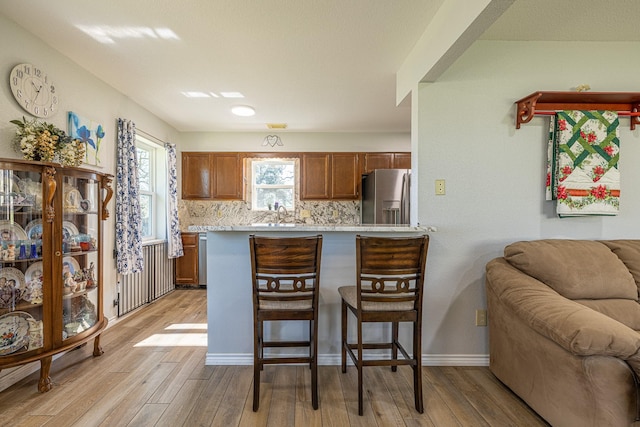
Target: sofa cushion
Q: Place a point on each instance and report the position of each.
(624, 311)
(576, 269)
(629, 253)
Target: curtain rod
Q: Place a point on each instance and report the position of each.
(151, 138)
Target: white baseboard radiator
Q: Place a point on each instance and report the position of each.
(156, 280)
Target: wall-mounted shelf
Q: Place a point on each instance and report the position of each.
(547, 103)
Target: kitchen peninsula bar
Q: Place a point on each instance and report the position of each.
(229, 305)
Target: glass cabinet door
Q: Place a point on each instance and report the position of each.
(21, 269)
(80, 234)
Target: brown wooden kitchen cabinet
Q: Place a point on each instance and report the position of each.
(211, 176)
(374, 161)
(334, 176)
(227, 176)
(197, 179)
(187, 265)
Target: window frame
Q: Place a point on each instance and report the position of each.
(255, 187)
(150, 148)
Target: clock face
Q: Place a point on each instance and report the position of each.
(34, 90)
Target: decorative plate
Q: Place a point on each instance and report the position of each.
(72, 199)
(70, 264)
(33, 281)
(69, 230)
(9, 183)
(14, 332)
(11, 286)
(34, 229)
(10, 231)
(34, 190)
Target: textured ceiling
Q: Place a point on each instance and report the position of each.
(325, 65)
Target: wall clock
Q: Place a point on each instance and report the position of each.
(34, 90)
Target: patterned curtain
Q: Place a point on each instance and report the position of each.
(173, 226)
(128, 218)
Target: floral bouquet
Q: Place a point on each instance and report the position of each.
(44, 142)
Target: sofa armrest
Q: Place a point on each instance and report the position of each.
(576, 328)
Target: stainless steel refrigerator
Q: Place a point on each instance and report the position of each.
(385, 197)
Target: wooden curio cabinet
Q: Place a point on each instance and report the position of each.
(51, 230)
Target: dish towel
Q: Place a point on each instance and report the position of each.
(582, 165)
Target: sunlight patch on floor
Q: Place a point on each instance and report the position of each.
(181, 339)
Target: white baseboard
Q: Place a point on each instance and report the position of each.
(334, 359)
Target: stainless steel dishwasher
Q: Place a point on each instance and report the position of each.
(202, 260)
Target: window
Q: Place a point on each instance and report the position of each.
(146, 186)
(273, 181)
(151, 173)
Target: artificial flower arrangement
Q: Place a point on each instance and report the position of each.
(44, 142)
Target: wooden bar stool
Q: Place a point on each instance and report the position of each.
(286, 280)
(390, 278)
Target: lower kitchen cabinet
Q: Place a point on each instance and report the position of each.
(187, 265)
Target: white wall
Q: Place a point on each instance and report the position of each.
(295, 141)
(83, 94)
(495, 174)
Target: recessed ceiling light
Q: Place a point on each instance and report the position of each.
(243, 110)
(231, 95)
(195, 94)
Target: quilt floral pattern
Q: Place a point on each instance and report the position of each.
(582, 170)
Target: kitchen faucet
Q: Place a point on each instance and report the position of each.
(281, 207)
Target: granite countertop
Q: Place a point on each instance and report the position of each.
(312, 227)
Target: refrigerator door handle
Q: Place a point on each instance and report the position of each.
(404, 205)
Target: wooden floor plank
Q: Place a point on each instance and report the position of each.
(135, 385)
(148, 415)
(283, 396)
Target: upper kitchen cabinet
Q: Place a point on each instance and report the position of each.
(211, 176)
(345, 176)
(327, 176)
(315, 176)
(197, 182)
(374, 161)
(227, 176)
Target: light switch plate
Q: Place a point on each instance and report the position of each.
(304, 213)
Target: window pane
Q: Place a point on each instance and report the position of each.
(146, 210)
(266, 197)
(273, 173)
(144, 169)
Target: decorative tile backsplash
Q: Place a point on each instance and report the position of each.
(192, 212)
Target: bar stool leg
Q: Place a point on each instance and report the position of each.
(394, 346)
(417, 369)
(344, 337)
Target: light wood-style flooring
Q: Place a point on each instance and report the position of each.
(165, 383)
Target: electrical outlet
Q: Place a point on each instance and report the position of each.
(335, 213)
(481, 317)
(440, 187)
(219, 214)
(305, 213)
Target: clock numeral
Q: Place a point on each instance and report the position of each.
(36, 109)
(54, 101)
(15, 80)
(45, 112)
(19, 93)
(27, 70)
(52, 89)
(37, 72)
(19, 74)
(26, 103)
